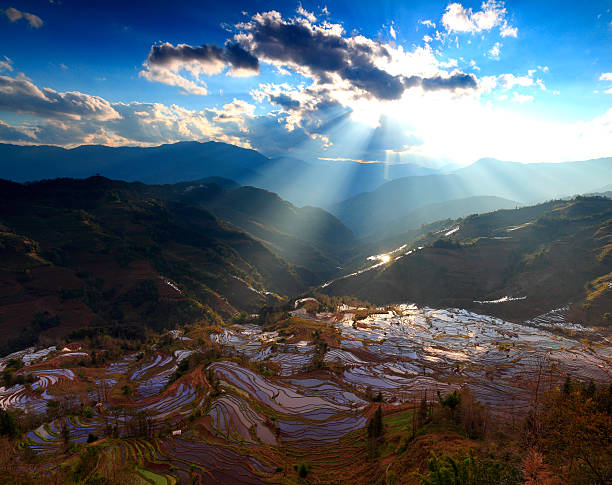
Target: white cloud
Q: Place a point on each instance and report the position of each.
(306, 14)
(470, 128)
(14, 15)
(495, 51)
(238, 112)
(508, 81)
(507, 31)
(521, 98)
(606, 76)
(34, 20)
(20, 95)
(6, 64)
(428, 23)
(457, 18)
(172, 78)
(427, 38)
(183, 64)
(392, 31)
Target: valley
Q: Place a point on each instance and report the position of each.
(208, 332)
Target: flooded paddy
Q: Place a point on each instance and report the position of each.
(408, 352)
(268, 395)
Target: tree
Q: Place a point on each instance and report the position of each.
(423, 411)
(8, 424)
(375, 425)
(127, 390)
(468, 470)
(451, 401)
(65, 433)
(574, 433)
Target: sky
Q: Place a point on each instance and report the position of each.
(425, 82)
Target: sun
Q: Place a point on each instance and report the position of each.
(385, 258)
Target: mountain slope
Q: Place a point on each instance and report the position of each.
(308, 237)
(98, 252)
(525, 183)
(550, 254)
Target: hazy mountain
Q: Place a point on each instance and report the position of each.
(324, 183)
(524, 183)
(320, 183)
(451, 209)
(162, 164)
(307, 236)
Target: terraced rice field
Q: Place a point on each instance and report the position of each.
(254, 428)
(409, 352)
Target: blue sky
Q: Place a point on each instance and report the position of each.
(425, 82)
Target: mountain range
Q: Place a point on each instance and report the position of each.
(320, 183)
(524, 183)
(369, 198)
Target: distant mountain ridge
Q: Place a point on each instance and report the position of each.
(319, 183)
(524, 183)
(308, 237)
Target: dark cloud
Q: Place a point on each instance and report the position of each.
(285, 101)
(269, 136)
(322, 53)
(325, 52)
(377, 82)
(317, 51)
(457, 80)
(240, 58)
(168, 55)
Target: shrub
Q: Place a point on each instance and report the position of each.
(468, 470)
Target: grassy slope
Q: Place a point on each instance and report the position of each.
(556, 251)
(97, 252)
